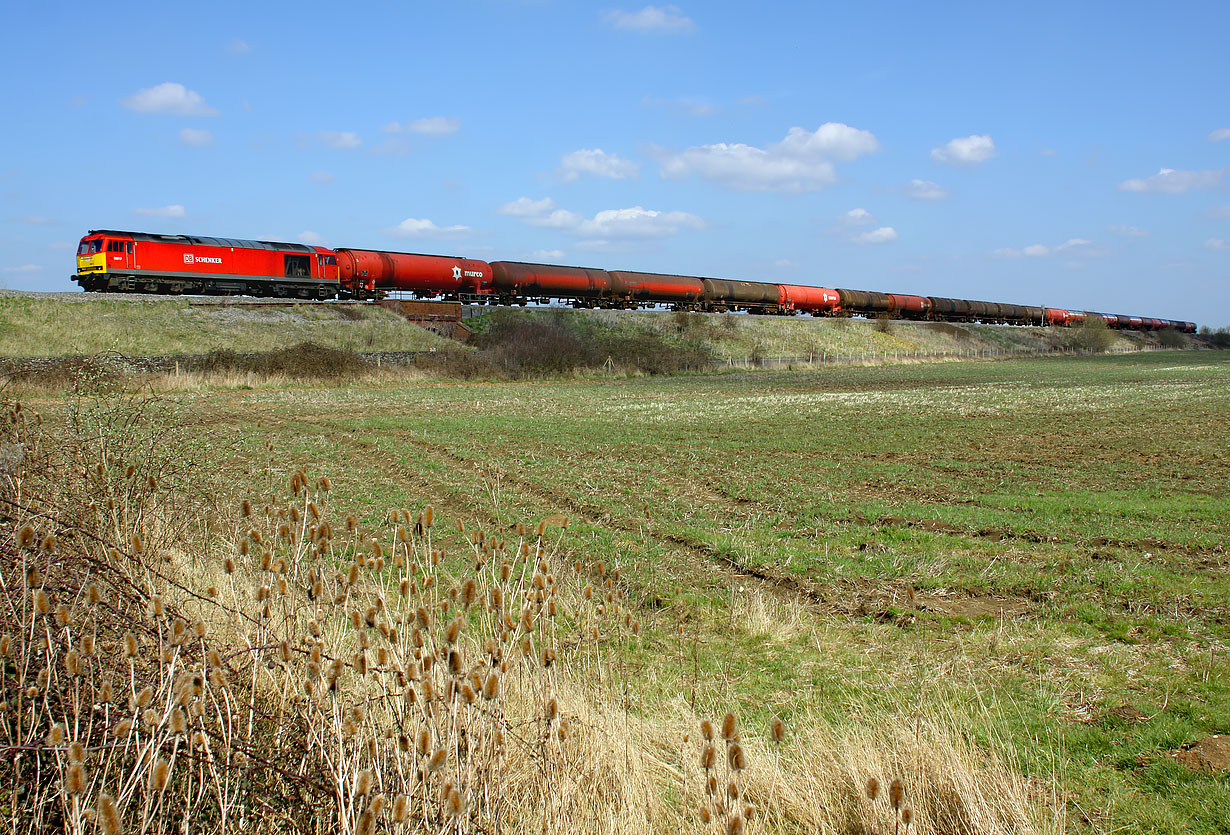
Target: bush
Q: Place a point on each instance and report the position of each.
(1171, 338)
(1219, 338)
(1092, 335)
(530, 344)
(305, 361)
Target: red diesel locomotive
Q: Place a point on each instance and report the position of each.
(137, 262)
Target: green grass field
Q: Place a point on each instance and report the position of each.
(1038, 546)
(1033, 551)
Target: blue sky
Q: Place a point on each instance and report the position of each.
(1069, 154)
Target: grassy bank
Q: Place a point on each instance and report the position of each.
(64, 324)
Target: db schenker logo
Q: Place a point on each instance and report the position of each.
(189, 258)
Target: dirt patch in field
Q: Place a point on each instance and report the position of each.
(1127, 713)
(1209, 754)
(975, 606)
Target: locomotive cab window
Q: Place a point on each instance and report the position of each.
(89, 247)
(297, 266)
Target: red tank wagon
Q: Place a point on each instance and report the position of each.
(522, 282)
(818, 301)
(680, 290)
(423, 275)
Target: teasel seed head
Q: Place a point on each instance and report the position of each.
(364, 785)
(74, 780)
(907, 816)
(178, 723)
(729, 727)
(401, 809)
(122, 728)
(896, 793)
(873, 788)
(454, 805)
(144, 697)
(735, 757)
(453, 632)
(777, 730)
(26, 541)
(42, 603)
(56, 736)
(706, 817)
(159, 775)
(106, 693)
(708, 757)
(437, 761)
(732, 790)
(73, 665)
(735, 825)
(108, 815)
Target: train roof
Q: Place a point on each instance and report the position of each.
(194, 240)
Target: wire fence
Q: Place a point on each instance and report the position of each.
(885, 357)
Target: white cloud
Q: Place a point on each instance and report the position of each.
(623, 224)
(1217, 243)
(321, 177)
(1171, 181)
(1219, 212)
(965, 150)
(651, 19)
(307, 236)
(833, 140)
(169, 97)
(239, 47)
(597, 162)
(800, 162)
(882, 235)
(25, 268)
(1129, 231)
(524, 207)
(431, 126)
(1219, 134)
(173, 210)
(344, 140)
(858, 217)
(926, 190)
(195, 137)
(33, 220)
(785, 263)
(413, 227)
(547, 255)
(1048, 152)
(1072, 246)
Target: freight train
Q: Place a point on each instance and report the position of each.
(138, 262)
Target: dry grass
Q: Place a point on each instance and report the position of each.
(185, 653)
